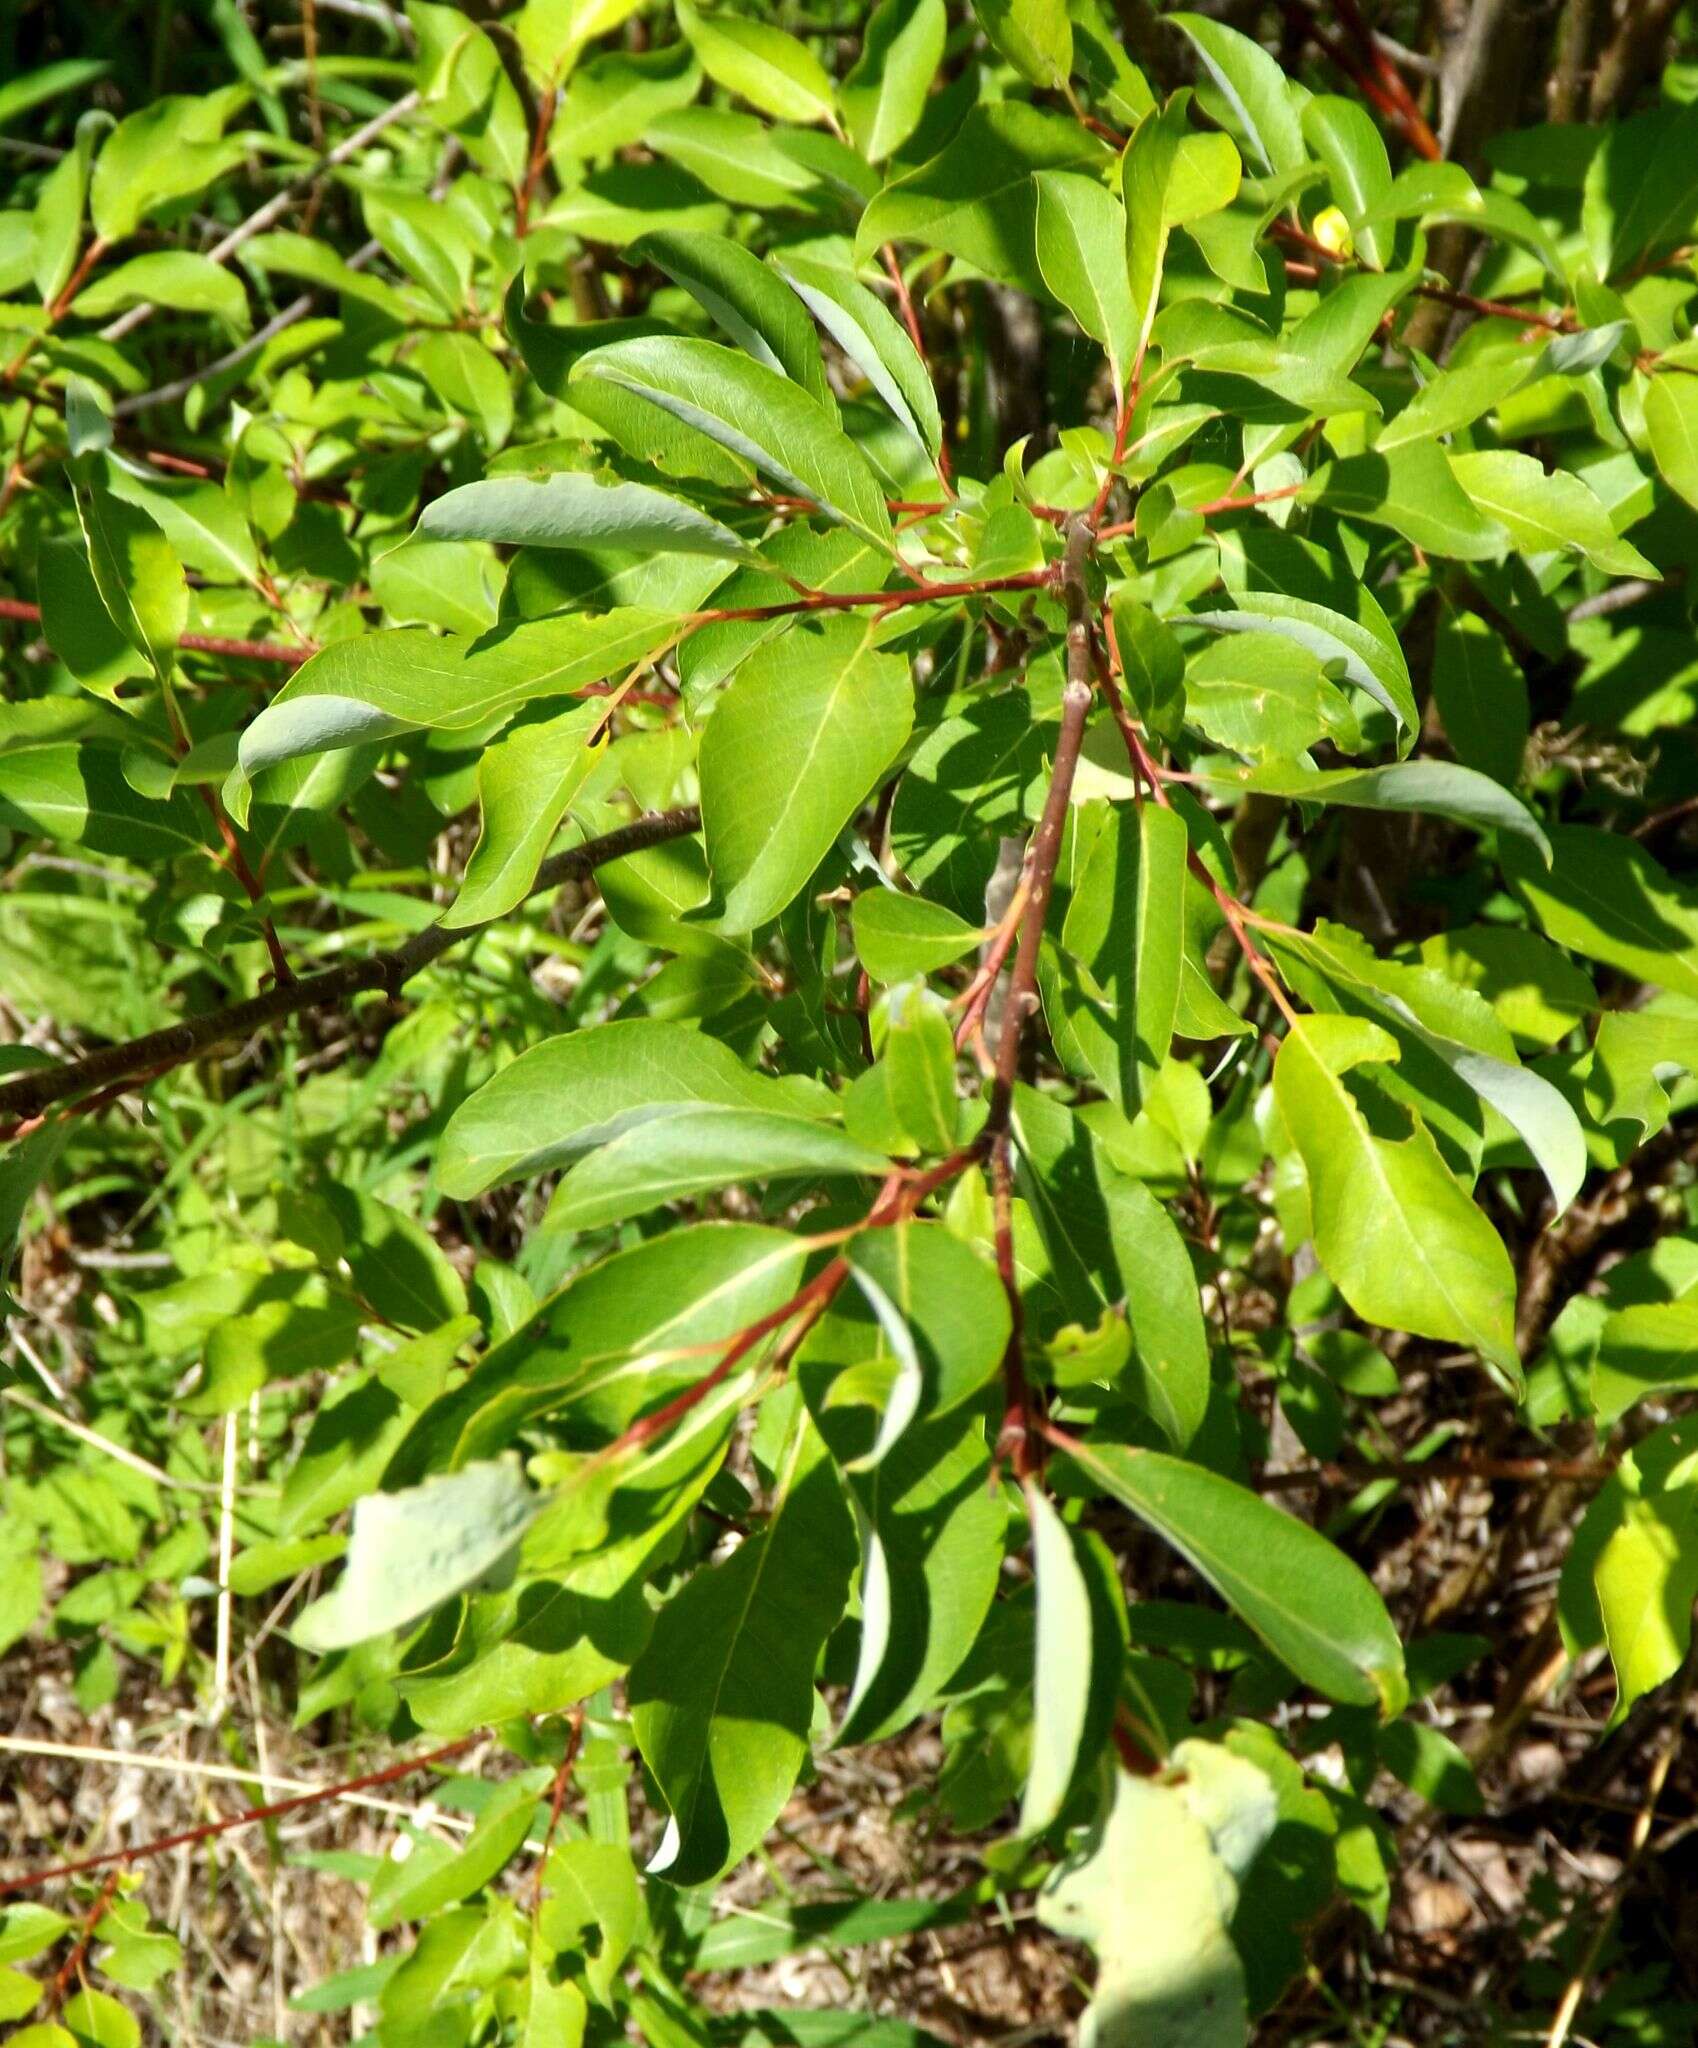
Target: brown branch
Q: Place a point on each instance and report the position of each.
(26, 1095)
(31, 1880)
(1045, 848)
(1018, 1438)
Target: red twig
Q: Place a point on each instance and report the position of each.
(72, 1965)
(911, 320)
(1442, 294)
(1122, 427)
(1421, 137)
(547, 103)
(1392, 100)
(1146, 768)
(32, 1880)
(889, 600)
(901, 1194)
(198, 643)
(562, 1778)
(56, 311)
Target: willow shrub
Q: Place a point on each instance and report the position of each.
(761, 1312)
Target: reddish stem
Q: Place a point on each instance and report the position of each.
(889, 600)
(31, 1880)
(547, 102)
(562, 1778)
(1392, 82)
(197, 643)
(72, 1965)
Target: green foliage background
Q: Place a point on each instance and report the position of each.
(848, 902)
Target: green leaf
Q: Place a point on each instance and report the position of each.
(1372, 661)
(1170, 177)
(1172, 1346)
(805, 730)
(1394, 1230)
(731, 154)
(1256, 91)
(617, 1338)
(26, 1929)
(1440, 786)
(21, 1594)
(167, 150)
(1441, 1020)
(723, 1698)
(1640, 192)
(767, 67)
(573, 1093)
(1079, 1654)
(694, 1148)
(1482, 697)
(203, 523)
(410, 1551)
(1429, 1763)
(873, 339)
(569, 510)
(1266, 698)
(167, 277)
(1081, 243)
(78, 796)
(56, 225)
(924, 1331)
(77, 625)
(47, 82)
(1546, 510)
(1126, 923)
(976, 198)
(738, 291)
(1110, 1240)
(380, 684)
(1342, 134)
(1647, 1580)
(931, 1555)
(1413, 491)
(436, 1875)
(1312, 1606)
(1152, 664)
(137, 574)
(1034, 35)
(899, 936)
(1647, 1348)
(96, 2020)
(885, 94)
(1604, 896)
(919, 1050)
(757, 415)
(1671, 421)
(1153, 1889)
(1455, 397)
(526, 784)
(610, 100)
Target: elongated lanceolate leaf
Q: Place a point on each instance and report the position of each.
(1309, 1603)
(573, 511)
